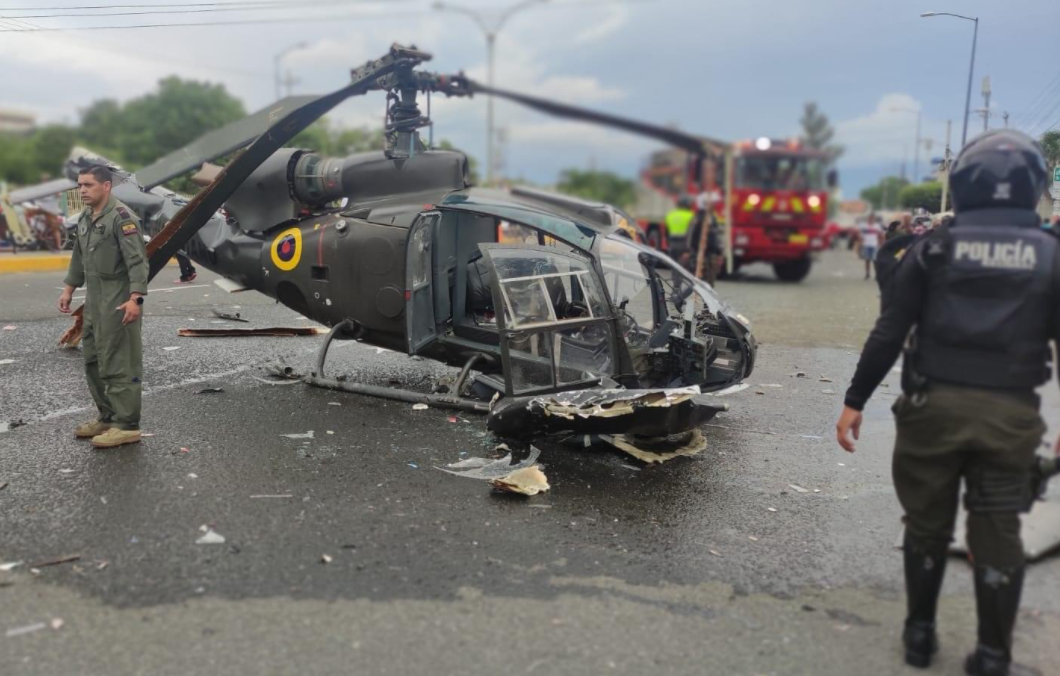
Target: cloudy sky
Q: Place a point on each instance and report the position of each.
(726, 69)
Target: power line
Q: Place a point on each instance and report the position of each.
(241, 7)
(1043, 112)
(1037, 100)
(293, 19)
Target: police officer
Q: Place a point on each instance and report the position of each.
(110, 258)
(678, 223)
(984, 297)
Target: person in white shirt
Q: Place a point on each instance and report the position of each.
(870, 234)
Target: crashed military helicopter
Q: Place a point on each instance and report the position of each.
(571, 325)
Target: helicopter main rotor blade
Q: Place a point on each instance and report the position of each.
(699, 145)
(36, 192)
(218, 143)
(198, 211)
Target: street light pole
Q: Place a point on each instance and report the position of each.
(490, 31)
(971, 66)
(277, 79)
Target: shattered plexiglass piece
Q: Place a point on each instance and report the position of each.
(485, 469)
(527, 481)
(658, 450)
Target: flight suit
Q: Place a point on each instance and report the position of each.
(110, 260)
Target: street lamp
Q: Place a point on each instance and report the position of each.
(916, 148)
(490, 31)
(971, 66)
(276, 64)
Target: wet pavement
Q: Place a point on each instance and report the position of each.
(711, 564)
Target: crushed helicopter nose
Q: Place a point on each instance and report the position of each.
(647, 413)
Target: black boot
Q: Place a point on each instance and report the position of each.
(923, 581)
(997, 600)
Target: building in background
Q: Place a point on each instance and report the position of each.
(16, 122)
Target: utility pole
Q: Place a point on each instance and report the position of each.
(277, 79)
(971, 66)
(986, 103)
(946, 168)
(1004, 117)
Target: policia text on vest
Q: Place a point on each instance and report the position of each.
(110, 260)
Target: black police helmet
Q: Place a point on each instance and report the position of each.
(999, 168)
(685, 202)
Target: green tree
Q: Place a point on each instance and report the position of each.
(472, 163)
(600, 186)
(332, 140)
(884, 195)
(1050, 141)
(178, 113)
(51, 146)
(922, 196)
(818, 132)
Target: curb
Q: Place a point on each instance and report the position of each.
(28, 262)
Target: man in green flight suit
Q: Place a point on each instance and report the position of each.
(111, 260)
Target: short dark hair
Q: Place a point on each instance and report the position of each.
(99, 172)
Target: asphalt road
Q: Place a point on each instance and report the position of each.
(707, 565)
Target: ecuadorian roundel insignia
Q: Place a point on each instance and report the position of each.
(287, 249)
(128, 228)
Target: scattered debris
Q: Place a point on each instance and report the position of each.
(28, 629)
(210, 390)
(211, 537)
(271, 497)
(10, 327)
(330, 432)
(67, 471)
(334, 403)
(102, 565)
(798, 374)
(56, 562)
(184, 449)
(659, 449)
(282, 371)
(420, 407)
(171, 348)
(714, 552)
(827, 391)
(486, 469)
(414, 465)
(824, 379)
(3, 485)
(7, 567)
(326, 559)
(811, 436)
(760, 391)
(275, 331)
(230, 316)
(526, 481)
(772, 509)
(775, 385)
(193, 476)
(304, 435)
(57, 623)
(752, 538)
(737, 429)
(4, 362)
(798, 489)
(452, 419)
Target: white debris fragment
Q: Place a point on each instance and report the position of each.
(10, 327)
(29, 629)
(798, 489)
(326, 559)
(67, 471)
(730, 390)
(420, 407)
(171, 348)
(11, 565)
(211, 537)
(57, 623)
(304, 435)
(192, 475)
(772, 509)
(4, 362)
(486, 469)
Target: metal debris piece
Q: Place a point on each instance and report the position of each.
(230, 316)
(269, 497)
(4, 362)
(824, 379)
(276, 331)
(171, 348)
(11, 565)
(827, 391)
(210, 390)
(420, 407)
(326, 559)
(660, 449)
(772, 509)
(211, 537)
(798, 489)
(58, 561)
(303, 435)
(526, 481)
(487, 470)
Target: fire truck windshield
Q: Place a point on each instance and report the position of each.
(780, 172)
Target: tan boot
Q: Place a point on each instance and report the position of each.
(116, 437)
(92, 429)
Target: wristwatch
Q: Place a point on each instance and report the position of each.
(139, 300)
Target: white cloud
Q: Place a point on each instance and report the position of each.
(616, 20)
(887, 134)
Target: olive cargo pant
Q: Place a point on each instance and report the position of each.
(113, 353)
(989, 439)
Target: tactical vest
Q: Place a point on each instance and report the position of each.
(678, 222)
(989, 308)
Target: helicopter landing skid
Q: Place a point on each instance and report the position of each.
(318, 379)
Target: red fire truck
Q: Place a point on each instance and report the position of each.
(772, 197)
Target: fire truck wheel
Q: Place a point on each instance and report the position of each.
(793, 271)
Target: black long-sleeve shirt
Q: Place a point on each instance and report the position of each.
(909, 290)
(909, 293)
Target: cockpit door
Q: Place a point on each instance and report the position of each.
(419, 292)
(557, 328)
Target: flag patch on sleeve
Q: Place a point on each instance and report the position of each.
(129, 228)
